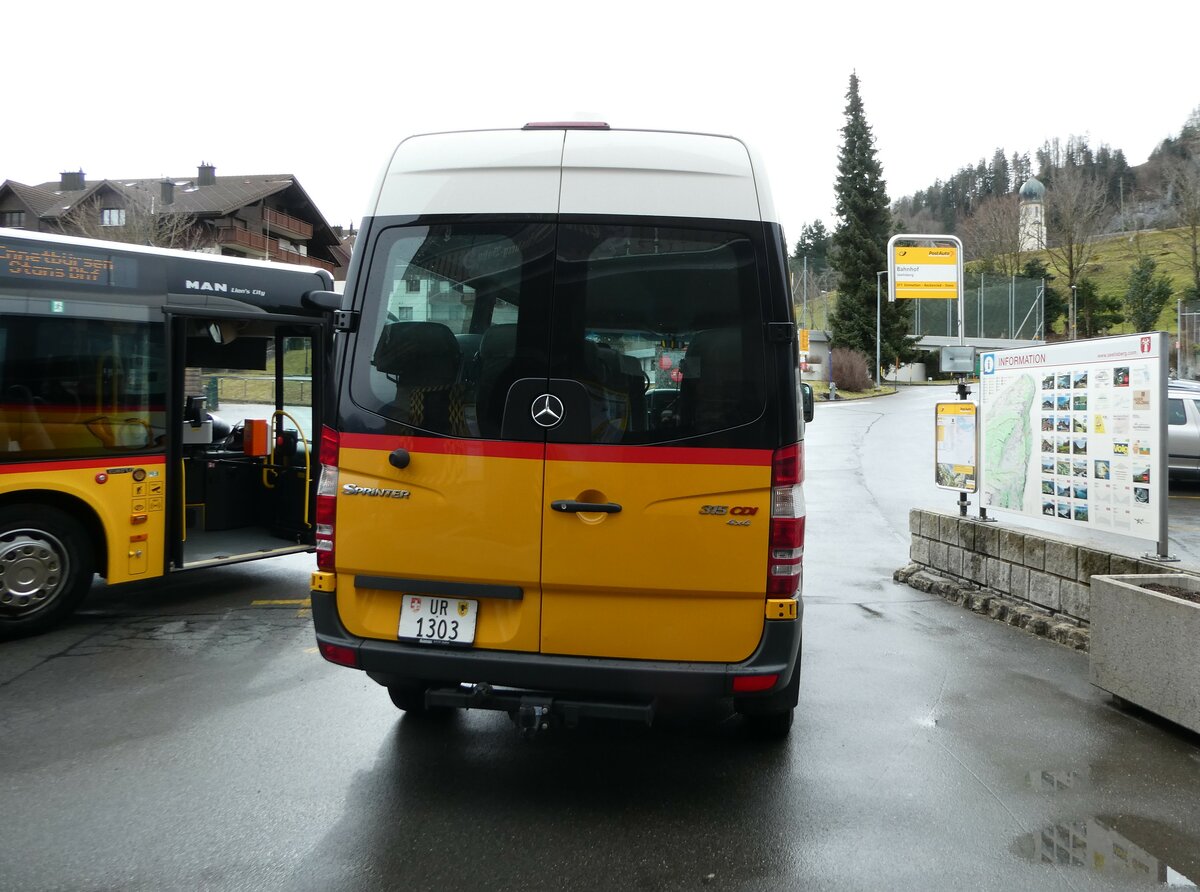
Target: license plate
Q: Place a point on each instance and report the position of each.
(441, 620)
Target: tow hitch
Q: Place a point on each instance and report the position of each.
(532, 718)
(534, 711)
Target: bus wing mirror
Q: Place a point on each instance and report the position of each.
(806, 401)
(329, 301)
(222, 332)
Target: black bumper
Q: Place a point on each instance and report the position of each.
(388, 662)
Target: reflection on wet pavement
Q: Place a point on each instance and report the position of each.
(1119, 845)
(231, 628)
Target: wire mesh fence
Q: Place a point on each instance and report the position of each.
(1008, 307)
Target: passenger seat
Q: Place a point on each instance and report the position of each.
(423, 359)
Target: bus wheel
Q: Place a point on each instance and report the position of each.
(410, 697)
(46, 567)
(771, 725)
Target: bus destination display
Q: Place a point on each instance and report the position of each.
(58, 265)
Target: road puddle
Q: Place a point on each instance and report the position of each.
(1121, 845)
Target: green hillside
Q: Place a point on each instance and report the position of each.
(1108, 268)
(1114, 256)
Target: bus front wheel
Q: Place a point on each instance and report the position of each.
(46, 567)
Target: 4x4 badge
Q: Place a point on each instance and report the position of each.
(547, 410)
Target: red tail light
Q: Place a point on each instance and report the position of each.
(744, 684)
(339, 653)
(327, 487)
(786, 556)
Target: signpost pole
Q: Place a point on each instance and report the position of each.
(962, 301)
(931, 267)
(1162, 463)
(878, 318)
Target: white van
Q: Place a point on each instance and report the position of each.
(564, 476)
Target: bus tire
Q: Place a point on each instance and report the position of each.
(410, 698)
(771, 725)
(46, 568)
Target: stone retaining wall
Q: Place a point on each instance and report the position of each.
(1037, 582)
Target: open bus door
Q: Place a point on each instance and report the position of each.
(244, 414)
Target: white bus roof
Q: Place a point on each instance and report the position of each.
(564, 170)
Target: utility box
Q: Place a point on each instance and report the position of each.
(254, 439)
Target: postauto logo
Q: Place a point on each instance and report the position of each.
(989, 363)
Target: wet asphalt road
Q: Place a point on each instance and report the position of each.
(187, 736)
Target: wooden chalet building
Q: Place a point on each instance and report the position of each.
(269, 217)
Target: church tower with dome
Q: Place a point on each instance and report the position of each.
(1032, 226)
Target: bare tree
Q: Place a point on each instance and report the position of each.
(993, 234)
(141, 223)
(1075, 205)
(1184, 179)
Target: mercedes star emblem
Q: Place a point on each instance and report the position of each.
(547, 410)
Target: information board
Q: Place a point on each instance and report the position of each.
(1075, 432)
(956, 446)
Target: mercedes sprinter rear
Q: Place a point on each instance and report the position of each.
(565, 473)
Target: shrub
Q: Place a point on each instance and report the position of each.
(850, 370)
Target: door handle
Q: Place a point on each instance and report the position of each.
(586, 507)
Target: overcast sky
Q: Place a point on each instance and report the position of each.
(324, 90)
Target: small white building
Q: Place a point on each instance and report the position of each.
(1033, 215)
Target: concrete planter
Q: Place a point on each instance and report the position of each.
(1145, 646)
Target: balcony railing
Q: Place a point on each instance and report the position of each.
(253, 244)
(276, 221)
(301, 260)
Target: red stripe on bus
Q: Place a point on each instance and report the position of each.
(661, 455)
(445, 446)
(79, 464)
(671, 455)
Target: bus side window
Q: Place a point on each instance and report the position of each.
(20, 422)
(65, 387)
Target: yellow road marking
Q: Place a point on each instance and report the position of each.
(289, 602)
(311, 650)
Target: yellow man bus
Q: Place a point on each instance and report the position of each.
(111, 462)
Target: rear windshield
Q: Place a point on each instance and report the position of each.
(664, 328)
(660, 328)
(451, 312)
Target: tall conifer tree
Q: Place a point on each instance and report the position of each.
(860, 244)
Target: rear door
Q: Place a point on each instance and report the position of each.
(440, 483)
(656, 511)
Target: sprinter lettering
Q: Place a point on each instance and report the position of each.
(351, 489)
